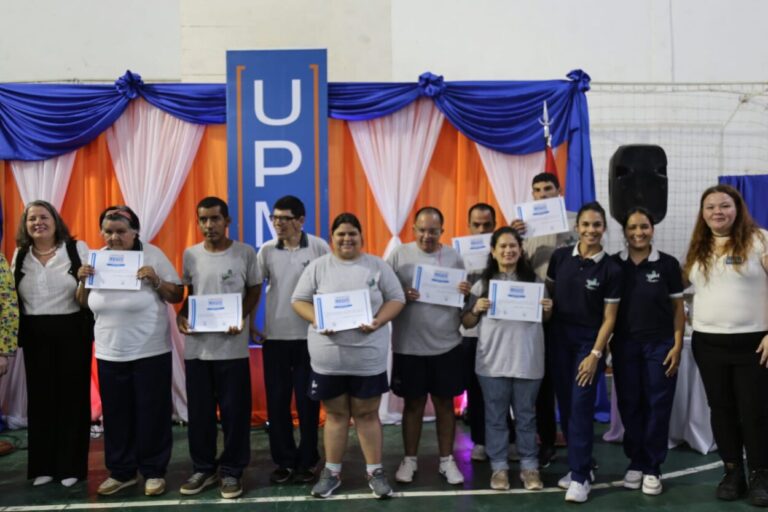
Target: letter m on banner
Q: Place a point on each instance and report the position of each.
(277, 138)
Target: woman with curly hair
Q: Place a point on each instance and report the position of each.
(727, 262)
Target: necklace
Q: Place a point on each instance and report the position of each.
(44, 253)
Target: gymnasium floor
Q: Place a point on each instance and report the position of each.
(689, 481)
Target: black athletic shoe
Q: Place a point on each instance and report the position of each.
(733, 486)
(281, 475)
(304, 476)
(547, 455)
(758, 488)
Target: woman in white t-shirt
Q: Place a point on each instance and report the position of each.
(727, 262)
(133, 351)
(509, 362)
(56, 343)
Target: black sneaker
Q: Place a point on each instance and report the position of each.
(281, 475)
(547, 455)
(758, 488)
(733, 485)
(304, 476)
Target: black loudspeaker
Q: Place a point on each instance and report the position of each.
(637, 176)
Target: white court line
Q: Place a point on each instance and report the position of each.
(293, 499)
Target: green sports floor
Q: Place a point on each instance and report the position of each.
(689, 481)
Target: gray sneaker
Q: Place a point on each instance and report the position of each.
(379, 484)
(230, 487)
(198, 482)
(326, 484)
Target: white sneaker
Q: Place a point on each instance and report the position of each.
(577, 493)
(565, 482)
(69, 482)
(451, 472)
(652, 485)
(633, 479)
(42, 480)
(478, 453)
(405, 472)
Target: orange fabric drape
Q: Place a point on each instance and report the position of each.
(454, 181)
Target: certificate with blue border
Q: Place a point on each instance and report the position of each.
(515, 300)
(342, 311)
(215, 313)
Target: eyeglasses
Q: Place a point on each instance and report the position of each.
(281, 218)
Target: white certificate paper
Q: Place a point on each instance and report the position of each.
(215, 313)
(515, 300)
(439, 285)
(115, 270)
(473, 250)
(342, 311)
(544, 217)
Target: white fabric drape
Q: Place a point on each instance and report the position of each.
(47, 180)
(44, 179)
(152, 153)
(395, 151)
(510, 176)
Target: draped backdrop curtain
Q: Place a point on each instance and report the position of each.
(493, 129)
(152, 152)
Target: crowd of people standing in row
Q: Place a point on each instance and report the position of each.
(632, 300)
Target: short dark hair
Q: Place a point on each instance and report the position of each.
(345, 218)
(61, 232)
(637, 209)
(594, 206)
(546, 176)
(484, 207)
(291, 203)
(432, 210)
(212, 202)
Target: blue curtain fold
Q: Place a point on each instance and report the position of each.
(39, 121)
(754, 190)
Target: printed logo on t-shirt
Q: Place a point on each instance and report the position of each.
(305, 263)
(227, 275)
(592, 284)
(373, 282)
(653, 277)
(734, 260)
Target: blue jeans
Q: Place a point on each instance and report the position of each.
(499, 393)
(644, 395)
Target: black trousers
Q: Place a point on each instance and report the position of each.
(57, 360)
(736, 387)
(136, 403)
(287, 375)
(226, 384)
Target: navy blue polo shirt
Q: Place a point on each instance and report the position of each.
(646, 312)
(582, 286)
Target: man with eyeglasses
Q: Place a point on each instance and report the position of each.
(284, 344)
(426, 342)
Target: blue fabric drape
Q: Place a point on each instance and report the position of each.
(754, 190)
(39, 121)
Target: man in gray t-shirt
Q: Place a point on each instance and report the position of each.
(426, 343)
(281, 262)
(217, 364)
(539, 250)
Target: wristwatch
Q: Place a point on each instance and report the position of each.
(598, 354)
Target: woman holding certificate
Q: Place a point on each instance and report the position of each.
(586, 288)
(646, 349)
(56, 344)
(510, 357)
(349, 367)
(133, 351)
(727, 262)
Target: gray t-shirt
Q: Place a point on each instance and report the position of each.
(424, 329)
(507, 348)
(230, 271)
(539, 249)
(349, 352)
(281, 268)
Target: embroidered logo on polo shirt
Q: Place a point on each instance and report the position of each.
(592, 284)
(653, 277)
